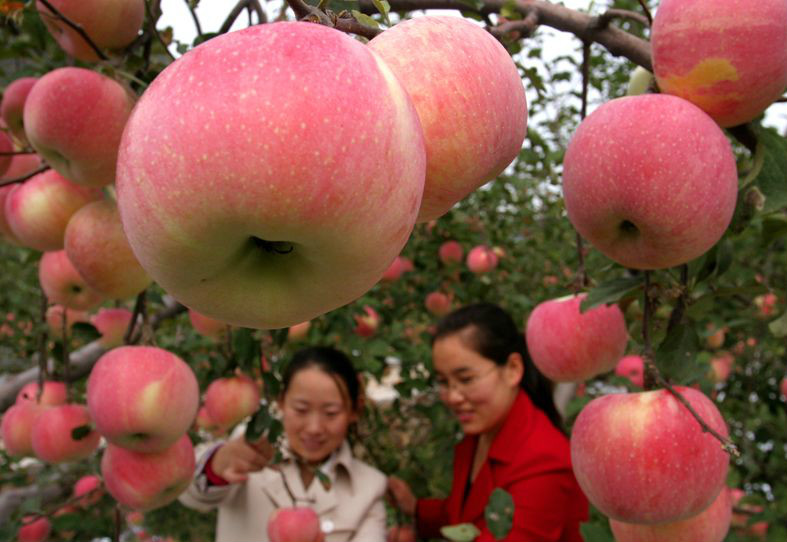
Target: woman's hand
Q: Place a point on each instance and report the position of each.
(235, 459)
(402, 495)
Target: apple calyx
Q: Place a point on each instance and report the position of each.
(274, 247)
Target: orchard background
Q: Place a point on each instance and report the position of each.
(728, 303)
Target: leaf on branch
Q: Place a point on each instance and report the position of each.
(676, 356)
(773, 228)
(611, 291)
(246, 348)
(462, 532)
(772, 179)
(499, 513)
(262, 423)
(364, 19)
(78, 433)
(383, 7)
(596, 532)
(779, 326)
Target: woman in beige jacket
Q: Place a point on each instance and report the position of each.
(320, 399)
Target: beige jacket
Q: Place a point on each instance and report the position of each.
(351, 510)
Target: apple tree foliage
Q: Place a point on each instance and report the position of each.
(732, 287)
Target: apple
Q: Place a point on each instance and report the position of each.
(207, 326)
(295, 524)
(13, 105)
(52, 439)
(206, 423)
(400, 533)
(298, 332)
(728, 57)
(111, 24)
(62, 283)
(469, 97)
(650, 181)
(639, 81)
(39, 210)
(715, 338)
(6, 146)
(438, 303)
(54, 393)
(144, 481)
(568, 345)
(366, 324)
(398, 267)
(481, 259)
(21, 164)
(17, 427)
(34, 529)
(643, 458)
(633, 368)
(142, 398)
(721, 367)
(223, 207)
(766, 304)
(112, 324)
(74, 118)
(98, 248)
(783, 387)
(54, 319)
(87, 490)
(710, 525)
(229, 400)
(451, 252)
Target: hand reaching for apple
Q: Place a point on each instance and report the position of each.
(234, 460)
(403, 496)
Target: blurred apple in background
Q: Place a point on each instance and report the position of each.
(481, 259)
(229, 400)
(63, 284)
(207, 326)
(112, 324)
(298, 332)
(366, 324)
(633, 368)
(34, 529)
(52, 436)
(54, 393)
(398, 267)
(438, 303)
(54, 319)
(13, 105)
(451, 252)
(17, 427)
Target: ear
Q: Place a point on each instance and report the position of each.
(514, 369)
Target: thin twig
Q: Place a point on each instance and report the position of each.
(194, 17)
(76, 27)
(118, 523)
(350, 25)
(138, 308)
(154, 30)
(24, 177)
(43, 338)
(652, 375)
(648, 16)
(233, 15)
(66, 354)
(603, 20)
(582, 281)
(676, 317)
(15, 153)
(255, 6)
(516, 30)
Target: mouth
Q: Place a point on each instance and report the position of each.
(464, 416)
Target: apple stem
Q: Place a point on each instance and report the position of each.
(286, 485)
(24, 177)
(16, 153)
(197, 24)
(118, 523)
(133, 335)
(76, 27)
(647, 12)
(651, 371)
(519, 29)
(676, 317)
(43, 369)
(66, 355)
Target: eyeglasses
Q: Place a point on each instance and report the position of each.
(464, 384)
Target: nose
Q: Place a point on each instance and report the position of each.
(452, 397)
(313, 424)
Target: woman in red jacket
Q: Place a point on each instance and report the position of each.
(513, 435)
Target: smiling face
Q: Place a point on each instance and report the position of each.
(316, 413)
(478, 391)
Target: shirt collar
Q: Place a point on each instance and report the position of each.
(340, 460)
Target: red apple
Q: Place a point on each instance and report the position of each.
(643, 458)
(21, 164)
(783, 387)
(87, 490)
(206, 423)
(481, 259)
(633, 368)
(729, 57)
(39, 210)
(6, 146)
(13, 104)
(298, 332)
(74, 118)
(438, 303)
(34, 529)
(54, 319)
(568, 345)
(54, 393)
(142, 398)
(62, 283)
(650, 180)
(229, 400)
(52, 437)
(470, 100)
(366, 324)
(451, 252)
(111, 24)
(398, 267)
(17, 427)
(112, 324)
(144, 481)
(721, 367)
(207, 326)
(715, 338)
(296, 524)
(710, 525)
(766, 304)
(225, 211)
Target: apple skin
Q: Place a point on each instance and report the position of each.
(74, 118)
(643, 458)
(438, 303)
(54, 319)
(88, 490)
(207, 326)
(295, 524)
(98, 248)
(721, 367)
(451, 252)
(142, 398)
(51, 436)
(481, 259)
(21, 164)
(783, 387)
(650, 181)
(17, 428)
(729, 57)
(63, 285)
(398, 267)
(229, 400)
(13, 104)
(39, 210)
(144, 481)
(710, 525)
(111, 24)
(224, 209)
(469, 97)
(34, 529)
(366, 324)
(54, 394)
(6, 146)
(112, 324)
(298, 332)
(633, 368)
(567, 345)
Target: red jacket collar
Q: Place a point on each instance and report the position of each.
(516, 427)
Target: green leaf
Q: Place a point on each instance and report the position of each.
(271, 385)
(246, 348)
(499, 513)
(698, 308)
(611, 291)
(78, 433)
(462, 532)
(779, 326)
(383, 7)
(773, 228)
(676, 355)
(772, 179)
(595, 532)
(364, 19)
(261, 423)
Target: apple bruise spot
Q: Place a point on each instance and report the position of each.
(628, 228)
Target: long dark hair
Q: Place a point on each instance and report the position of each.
(495, 336)
(329, 360)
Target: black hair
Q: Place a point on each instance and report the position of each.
(329, 360)
(495, 336)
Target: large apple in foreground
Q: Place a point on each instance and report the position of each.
(650, 180)
(142, 398)
(13, 105)
(710, 525)
(262, 190)
(63, 284)
(296, 524)
(568, 345)
(643, 458)
(74, 118)
(729, 57)
(470, 100)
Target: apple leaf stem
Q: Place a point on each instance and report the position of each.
(118, 523)
(43, 370)
(237, 10)
(15, 153)
(194, 17)
(77, 28)
(676, 316)
(154, 30)
(24, 177)
(66, 355)
(131, 336)
(647, 12)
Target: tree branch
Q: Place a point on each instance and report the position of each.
(603, 20)
(24, 177)
(154, 30)
(76, 27)
(516, 30)
(194, 17)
